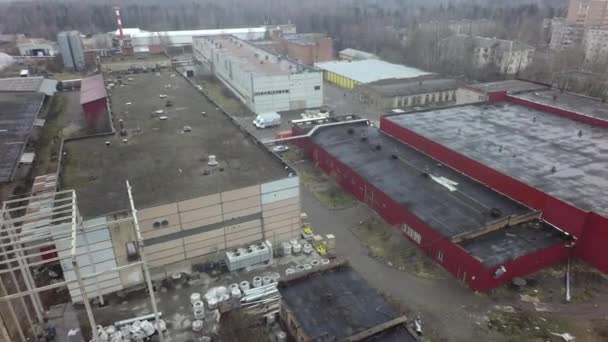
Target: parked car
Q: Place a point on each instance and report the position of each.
(280, 149)
(266, 120)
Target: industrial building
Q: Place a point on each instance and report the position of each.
(35, 84)
(337, 304)
(409, 93)
(93, 99)
(355, 55)
(481, 236)
(221, 191)
(348, 74)
(146, 41)
(72, 50)
(478, 92)
(264, 82)
(544, 149)
(305, 48)
(37, 47)
(18, 113)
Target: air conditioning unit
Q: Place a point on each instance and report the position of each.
(246, 257)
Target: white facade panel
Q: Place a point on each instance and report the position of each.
(280, 184)
(280, 195)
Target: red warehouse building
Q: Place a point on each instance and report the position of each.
(545, 149)
(93, 99)
(481, 236)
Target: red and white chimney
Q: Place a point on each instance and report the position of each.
(119, 24)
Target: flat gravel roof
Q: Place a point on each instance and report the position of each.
(525, 144)
(163, 162)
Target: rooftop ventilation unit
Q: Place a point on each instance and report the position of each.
(212, 161)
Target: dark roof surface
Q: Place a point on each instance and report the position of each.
(406, 87)
(92, 88)
(335, 304)
(162, 162)
(408, 180)
(525, 144)
(510, 86)
(576, 103)
(17, 114)
(512, 242)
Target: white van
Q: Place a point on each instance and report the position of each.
(266, 120)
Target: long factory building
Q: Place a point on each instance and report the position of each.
(263, 81)
(492, 190)
(220, 191)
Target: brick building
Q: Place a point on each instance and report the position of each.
(308, 48)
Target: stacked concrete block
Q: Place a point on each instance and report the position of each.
(330, 243)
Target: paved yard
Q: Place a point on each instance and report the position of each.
(344, 101)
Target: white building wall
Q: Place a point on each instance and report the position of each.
(465, 95)
(288, 92)
(230, 73)
(262, 93)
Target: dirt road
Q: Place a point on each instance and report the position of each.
(449, 308)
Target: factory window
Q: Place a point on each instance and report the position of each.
(414, 235)
(454, 96)
(317, 87)
(433, 98)
(440, 255)
(426, 98)
(405, 100)
(272, 92)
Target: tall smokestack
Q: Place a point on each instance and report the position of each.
(119, 24)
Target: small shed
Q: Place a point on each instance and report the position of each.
(93, 98)
(93, 94)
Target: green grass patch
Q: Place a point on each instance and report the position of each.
(224, 97)
(326, 190)
(391, 246)
(47, 147)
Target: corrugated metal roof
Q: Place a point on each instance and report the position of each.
(137, 33)
(370, 70)
(91, 89)
(28, 84)
(358, 54)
